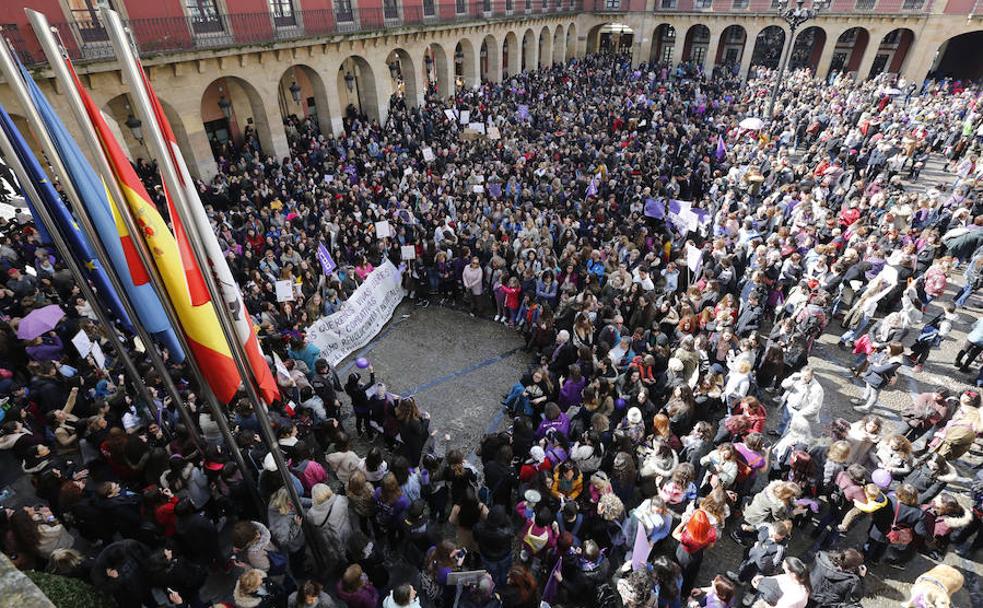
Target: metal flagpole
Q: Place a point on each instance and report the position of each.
(10, 156)
(133, 77)
(16, 83)
(56, 60)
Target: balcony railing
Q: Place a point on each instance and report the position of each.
(88, 41)
(838, 7)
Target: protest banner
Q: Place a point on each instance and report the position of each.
(361, 317)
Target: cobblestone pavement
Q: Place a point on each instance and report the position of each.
(458, 368)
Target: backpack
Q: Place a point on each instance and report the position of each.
(608, 597)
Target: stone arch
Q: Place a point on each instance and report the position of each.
(511, 57)
(436, 69)
(849, 50)
(403, 73)
(768, 47)
(357, 87)
(490, 59)
(663, 44)
(892, 52)
(807, 48)
(696, 44)
(545, 47)
(572, 41)
(733, 45)
(230, 107)
(301, 93)
(465, 65)
(559, 45)
(959, 58)
(529, 55)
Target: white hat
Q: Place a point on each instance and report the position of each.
(634, 415)
(537, 454)
(268, 463)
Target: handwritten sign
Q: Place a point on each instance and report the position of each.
(284, 291)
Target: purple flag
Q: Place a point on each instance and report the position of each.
(654, 209)
(494, 189)
(721, 148)
(592, 187)
(523, 111)
(327, 263)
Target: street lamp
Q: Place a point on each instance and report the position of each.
(394, 69)
(295, 91)
(349, 81)
(459, 56)
(135, 126)
(226, 106)
(794, 17)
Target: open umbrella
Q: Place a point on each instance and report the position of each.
(39, 322)
(752, 123)
(892, 91)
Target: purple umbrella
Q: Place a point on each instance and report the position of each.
(39, 322)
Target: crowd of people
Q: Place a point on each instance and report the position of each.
(670, 272)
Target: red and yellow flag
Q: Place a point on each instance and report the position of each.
(232, 298)
(182, 280)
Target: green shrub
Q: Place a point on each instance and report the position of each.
(67, 592)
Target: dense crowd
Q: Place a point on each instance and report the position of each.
(669, 271)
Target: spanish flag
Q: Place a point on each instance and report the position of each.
(230, 294)
(183, 283)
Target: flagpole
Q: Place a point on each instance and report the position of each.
(27, 186)
(56, 61)
(133, 76)
(16, 83)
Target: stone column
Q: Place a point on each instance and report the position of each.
(826, 58)
(867, 61)
(748, 52)
(711, 57)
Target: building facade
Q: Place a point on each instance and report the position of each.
(220, 66)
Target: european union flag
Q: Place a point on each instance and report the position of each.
(49, 197)
(105, 218)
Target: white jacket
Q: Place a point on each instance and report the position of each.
(803, 399)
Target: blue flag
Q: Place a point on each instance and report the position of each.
(96, 205)
(77, 242)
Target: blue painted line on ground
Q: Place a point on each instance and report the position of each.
(461, 372)
(344, 369)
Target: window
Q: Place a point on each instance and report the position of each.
(666, 54)
(343, 11)
(85, 15)
(390, 9)
(283, 13)
(865, 5)
(913, 5)
(508, 6)
(545, 4)
(428, 8)
(775, 4)
(891, 38)
(528, 5)
(461, 6)
(486, 6)
(698, 54)
(668, 4)
(740, 4)
(702, 4)
(612, 5)
(204, 16)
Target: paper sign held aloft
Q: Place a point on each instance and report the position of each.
(477, 188)
(477, 126)
(82, 343)
(450, 114)
(494, 133)
(284, 291)
(428, 154)
(407, 252)
(383, 230)
(98, 356)
(465, 116)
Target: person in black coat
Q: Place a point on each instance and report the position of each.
(837, 578)
(121, 571)
(906, 514)
(500, 476)
(494, 536)
(196, 535)
(414, 429)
